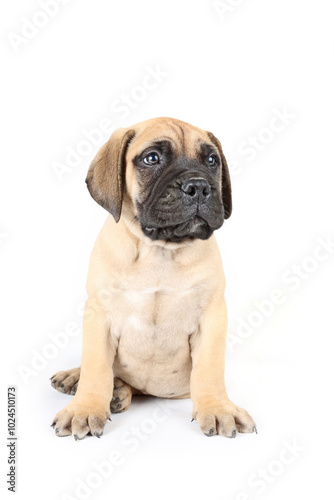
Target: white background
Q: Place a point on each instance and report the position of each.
(226, 73)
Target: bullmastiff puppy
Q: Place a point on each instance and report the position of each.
(155, 319)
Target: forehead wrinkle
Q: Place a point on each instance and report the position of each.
(180, 134)
(192, 140)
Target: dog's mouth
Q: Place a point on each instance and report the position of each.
(196, 227)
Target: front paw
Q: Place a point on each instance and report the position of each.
(80, 418)
(224, 418)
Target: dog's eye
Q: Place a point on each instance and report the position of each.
(152, 159)
(213, 160)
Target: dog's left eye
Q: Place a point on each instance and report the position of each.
(152, 159)
(213, 160)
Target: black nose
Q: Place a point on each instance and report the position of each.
(197, 189)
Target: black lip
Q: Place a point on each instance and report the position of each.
(180, 232)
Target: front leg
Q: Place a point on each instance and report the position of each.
(213, 410)
(90, 407)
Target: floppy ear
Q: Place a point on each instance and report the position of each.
(226, 181)
(105, 178)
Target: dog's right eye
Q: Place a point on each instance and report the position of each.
(152, 159)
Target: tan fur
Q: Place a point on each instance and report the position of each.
(156, 316)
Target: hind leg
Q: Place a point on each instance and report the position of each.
(67, 383)
(122, 396)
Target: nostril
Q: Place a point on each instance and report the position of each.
(191, 191)
(206, 191)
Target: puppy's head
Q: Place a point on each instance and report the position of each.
(171, 176)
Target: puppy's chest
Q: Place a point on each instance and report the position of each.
(155, 307)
